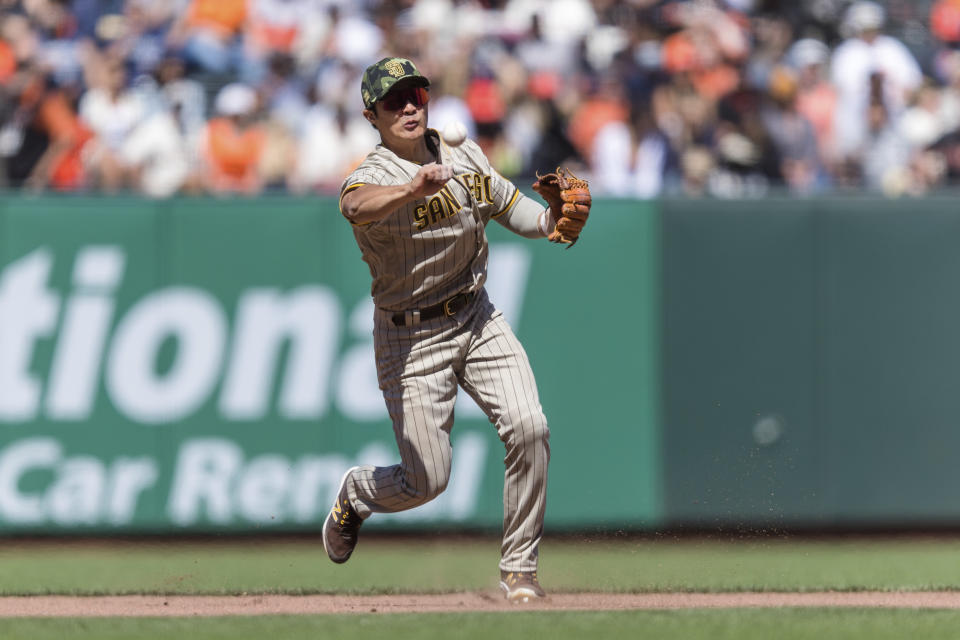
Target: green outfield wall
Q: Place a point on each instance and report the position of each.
(207, 365)
(811, 362)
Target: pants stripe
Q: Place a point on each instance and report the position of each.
(420, 368)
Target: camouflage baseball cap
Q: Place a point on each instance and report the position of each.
(381, 76)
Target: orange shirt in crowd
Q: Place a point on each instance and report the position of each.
(272, 37)
(592, 116)
(8, 62)
(712, 79)
(57, 117)
(819, 106)
(233, 155)
(679, 53)
(224, 17)
(716, 82)
(945, 20)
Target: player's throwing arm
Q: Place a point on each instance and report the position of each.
(373, 202)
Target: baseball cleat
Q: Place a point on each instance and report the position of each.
(521, 586)
(342, 525)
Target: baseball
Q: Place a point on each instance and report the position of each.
(454, 133)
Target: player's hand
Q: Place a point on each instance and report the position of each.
(430, 179)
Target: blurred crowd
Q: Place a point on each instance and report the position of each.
(724, 98)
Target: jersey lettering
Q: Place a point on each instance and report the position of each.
(420, 216)
(435, 207)
(445, 204)
(478, 187)
(441, 206)
(481, 186)
(450, 201)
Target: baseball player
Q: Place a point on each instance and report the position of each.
(419, 208)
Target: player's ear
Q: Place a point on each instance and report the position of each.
(371, 116)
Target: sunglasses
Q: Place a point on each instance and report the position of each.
(397, 100)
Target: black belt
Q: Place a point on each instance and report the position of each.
(449, 307)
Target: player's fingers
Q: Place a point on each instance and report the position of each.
(438, 173)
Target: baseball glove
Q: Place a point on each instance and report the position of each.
(569, 200)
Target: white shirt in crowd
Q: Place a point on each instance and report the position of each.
(626, 168)
(854, 61)
(112, 120)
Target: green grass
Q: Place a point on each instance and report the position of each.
(437, 565)
(381, 566)
(737, 624)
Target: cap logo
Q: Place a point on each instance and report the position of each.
(395, 68)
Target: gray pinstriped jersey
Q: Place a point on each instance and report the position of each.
(419, 254)
(433, 248)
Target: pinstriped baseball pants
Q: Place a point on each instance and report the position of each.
(420, 368)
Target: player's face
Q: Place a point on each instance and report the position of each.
(401, 115)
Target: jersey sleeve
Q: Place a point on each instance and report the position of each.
(508, 205)
(500, 194)
(361, 176)
(505, 194)
(364, 174)
(523, 217)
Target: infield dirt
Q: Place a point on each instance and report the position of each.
(256, 605)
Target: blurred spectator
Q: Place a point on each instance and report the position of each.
(554, 148)
(816, 97)
(283, 92)
(724, 98)
(182, 96)
(209, 35)
(792, 134)
(945, 20)
(353, 37)
(8, 62)
(947, 150)
(44, 140)
(487, 107)
(540, 55)
(333, 142)
(886, 152)
(709, 47)
(697, 168)
(274, 25)
(157, 153)
(112, 111)
(58, 47)
(234, 143)
(139, 33)
(278, 159)
(630, 159)
(688, 122)
(868, 67)
(314, 27)
(603, 106)
(748, 160)
(19, 40)
(923, 121)
(446, 108)
(562, 21)
(773, 37)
